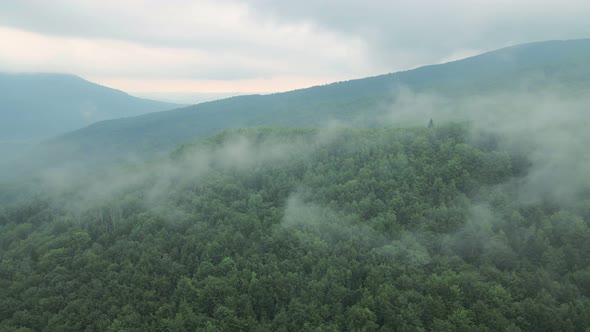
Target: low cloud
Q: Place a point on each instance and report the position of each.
(317, 225)
(236, 151)
(547, 124)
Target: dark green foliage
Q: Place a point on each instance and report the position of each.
(357, 230)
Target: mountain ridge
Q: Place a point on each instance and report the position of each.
(360, 101)
(37, 106)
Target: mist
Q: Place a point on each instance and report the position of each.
(295, 166)
(339, 212)
(548, 126)
(188, 166)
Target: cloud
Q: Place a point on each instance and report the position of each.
(540, 118)
(319, 226)
(262, 40)
(176, 40)
(153, 87)
(407, 33)
(25, 51)
(236, 151)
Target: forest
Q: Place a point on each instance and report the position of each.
(448, 228)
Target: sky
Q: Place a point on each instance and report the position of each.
(176, 48)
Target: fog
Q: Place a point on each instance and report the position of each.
(547, 128)
(83, 189)
(548, 125)
(319, 226)
(332, 165)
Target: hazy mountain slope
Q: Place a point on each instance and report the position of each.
(38, 106)
(362, 102)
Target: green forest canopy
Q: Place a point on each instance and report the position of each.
(298, 229)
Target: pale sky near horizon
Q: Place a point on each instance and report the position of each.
(178, 47)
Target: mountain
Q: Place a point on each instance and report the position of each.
(34, 107)
(480, 224)
(366, 229)
(549, 65)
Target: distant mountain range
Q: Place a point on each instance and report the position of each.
(362, 102)
(34, 107)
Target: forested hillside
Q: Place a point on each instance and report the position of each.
(448, 90)
(384, 229)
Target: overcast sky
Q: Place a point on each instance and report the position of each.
(181, 46)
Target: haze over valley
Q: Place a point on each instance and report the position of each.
(37, 107)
